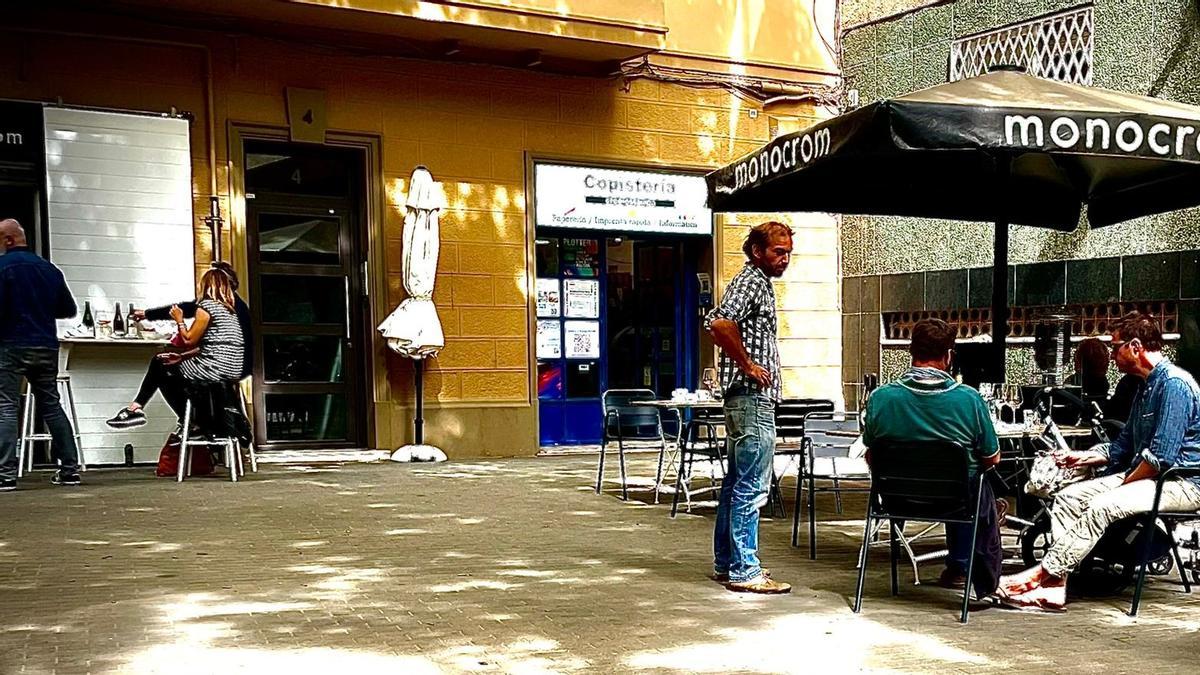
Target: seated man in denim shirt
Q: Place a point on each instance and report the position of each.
(927, 404)
(1163, 431)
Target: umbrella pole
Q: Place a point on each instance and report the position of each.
(1000, 277)
(419, 418)
(1000, 303)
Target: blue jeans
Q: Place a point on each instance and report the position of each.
(40, 367)
(750, 449)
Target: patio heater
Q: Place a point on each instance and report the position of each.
(214, 221)
(1052, 344)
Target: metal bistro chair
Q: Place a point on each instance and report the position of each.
(789, 432)
(925, 481)
(1170, 519)
(628, 423)
(828, 437)
(703, 439)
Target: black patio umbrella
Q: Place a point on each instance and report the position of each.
(1004, 147)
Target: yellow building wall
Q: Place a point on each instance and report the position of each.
(475, 128)
(785, 33)
(807, 300)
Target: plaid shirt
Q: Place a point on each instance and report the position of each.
(749, 302)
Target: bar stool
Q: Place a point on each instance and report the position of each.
(230, 444)
(29, 415)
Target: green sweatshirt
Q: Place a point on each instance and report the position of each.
(926, 404)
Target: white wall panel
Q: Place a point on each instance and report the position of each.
(120, 184)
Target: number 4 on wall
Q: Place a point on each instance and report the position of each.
(306, 116)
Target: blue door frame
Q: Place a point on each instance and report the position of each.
(565, 419)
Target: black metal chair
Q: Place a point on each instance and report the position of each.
(789, 433)
(703, 439)
(624, 423)
(826, 436)
(926, 481)
(1170, 519)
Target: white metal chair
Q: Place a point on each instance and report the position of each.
(29, 436)
(828, 437)
(230, 445)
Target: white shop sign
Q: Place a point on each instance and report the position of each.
(583, 298)
(592, 198)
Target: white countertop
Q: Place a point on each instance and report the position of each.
(113, 341)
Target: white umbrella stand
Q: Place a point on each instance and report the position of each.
(413, 329)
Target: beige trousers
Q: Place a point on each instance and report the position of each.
(1084, 510)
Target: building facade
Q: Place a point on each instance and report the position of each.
(896, 270)
(294, 127)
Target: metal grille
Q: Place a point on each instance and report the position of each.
(1056, 47)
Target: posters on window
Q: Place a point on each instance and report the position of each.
(549, 298)
(583, 339)
(549, 340)
(582, 298)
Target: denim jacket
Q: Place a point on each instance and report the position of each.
(1164, 424)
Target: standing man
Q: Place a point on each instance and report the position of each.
(745, 328)
(33, 294)
(1163, 431)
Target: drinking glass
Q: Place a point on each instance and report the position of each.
(1016, 396)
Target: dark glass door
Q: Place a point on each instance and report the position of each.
(308, 314)
(644, 300)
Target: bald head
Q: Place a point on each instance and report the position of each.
(11, 234)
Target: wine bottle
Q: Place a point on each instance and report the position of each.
(88, 321)
(132, 329)
(118, 324)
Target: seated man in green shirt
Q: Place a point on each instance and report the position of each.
(927, 404)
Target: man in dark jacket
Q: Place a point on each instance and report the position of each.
(33, 293)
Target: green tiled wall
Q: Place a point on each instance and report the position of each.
(1144, 47)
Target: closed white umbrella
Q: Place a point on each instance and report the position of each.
(413, 329)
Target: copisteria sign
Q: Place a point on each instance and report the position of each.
(617, 200)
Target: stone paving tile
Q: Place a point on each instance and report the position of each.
(487, 566)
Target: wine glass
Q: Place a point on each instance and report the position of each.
(1016, 396)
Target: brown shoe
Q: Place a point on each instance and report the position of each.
(724, 578)
(760, 584)
(952, 580)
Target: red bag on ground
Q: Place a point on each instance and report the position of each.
(168, 459)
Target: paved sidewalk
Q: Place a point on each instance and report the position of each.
(488, 566)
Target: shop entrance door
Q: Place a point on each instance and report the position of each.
(647, 329)
(642, 322)
(305, 247)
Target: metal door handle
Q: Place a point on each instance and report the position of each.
(347, 280)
